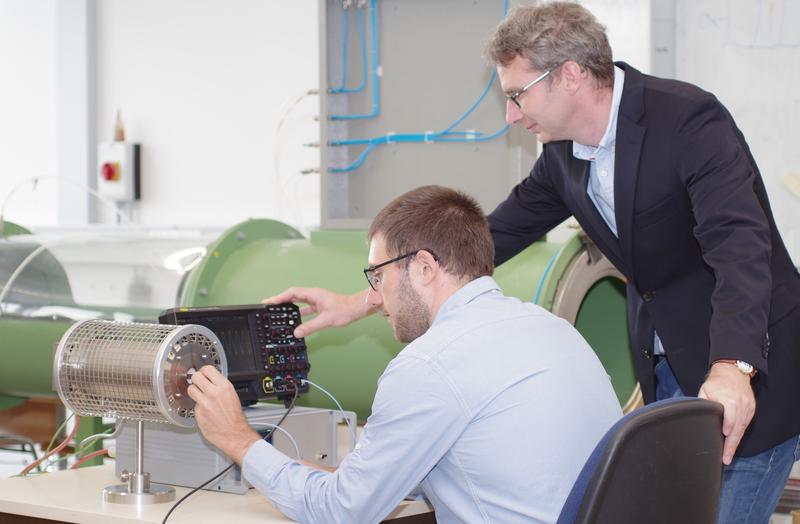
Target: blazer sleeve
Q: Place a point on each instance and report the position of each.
(533, 208)
(731, 228)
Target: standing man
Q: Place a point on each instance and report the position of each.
(662, 180)
(480, 409)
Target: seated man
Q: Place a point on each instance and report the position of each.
(491, 409)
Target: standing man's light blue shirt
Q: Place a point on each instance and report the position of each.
(492, 413)
(601, 168)
(601, 159)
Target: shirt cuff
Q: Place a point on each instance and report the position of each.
(261, 462)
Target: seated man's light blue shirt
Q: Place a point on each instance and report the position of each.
(492, 413)
(601, 169)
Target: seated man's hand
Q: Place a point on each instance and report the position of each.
(219, 413)
(333, 309)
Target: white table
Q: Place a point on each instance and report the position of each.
(76, 496)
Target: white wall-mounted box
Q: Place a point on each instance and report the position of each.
(118, 176)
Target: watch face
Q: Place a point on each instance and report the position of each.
(744, 367)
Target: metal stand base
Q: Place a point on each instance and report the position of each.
(120, 494)
(137, 488)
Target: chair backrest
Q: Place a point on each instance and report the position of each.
(661, 463)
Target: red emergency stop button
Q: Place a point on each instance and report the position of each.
(110, 171)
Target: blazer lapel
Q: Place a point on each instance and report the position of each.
(630, 137)
(587, 214)
(626, 168)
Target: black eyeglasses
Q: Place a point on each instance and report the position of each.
(515, 96)
(375, 281)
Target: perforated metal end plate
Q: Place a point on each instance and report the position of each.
(187, 351)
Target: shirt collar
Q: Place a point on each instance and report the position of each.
(609, 138)
(467, 294)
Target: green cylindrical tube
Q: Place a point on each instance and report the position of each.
(260, 258)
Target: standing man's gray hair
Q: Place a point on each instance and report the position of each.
(549, 35)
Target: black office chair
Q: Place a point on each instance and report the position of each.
(661, 463)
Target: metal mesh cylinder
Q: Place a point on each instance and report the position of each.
(133, 371)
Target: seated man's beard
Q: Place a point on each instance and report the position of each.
(412, 319)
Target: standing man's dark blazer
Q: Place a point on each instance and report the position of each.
(705, 264)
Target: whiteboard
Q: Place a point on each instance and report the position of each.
(747, 52)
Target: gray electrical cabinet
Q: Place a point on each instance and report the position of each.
(395, 74)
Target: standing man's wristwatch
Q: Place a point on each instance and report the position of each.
(744, 367)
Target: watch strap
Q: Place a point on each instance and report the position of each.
(744, 367)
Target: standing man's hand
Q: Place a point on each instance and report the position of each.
(219, 413)
(333, 309)
(731, 388)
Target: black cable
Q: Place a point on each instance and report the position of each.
(23, 449)
(289, 409)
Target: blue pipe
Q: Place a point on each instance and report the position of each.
(540, 286)
(375, 68)
(405, 138)
(445, 135)
(363, 44)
